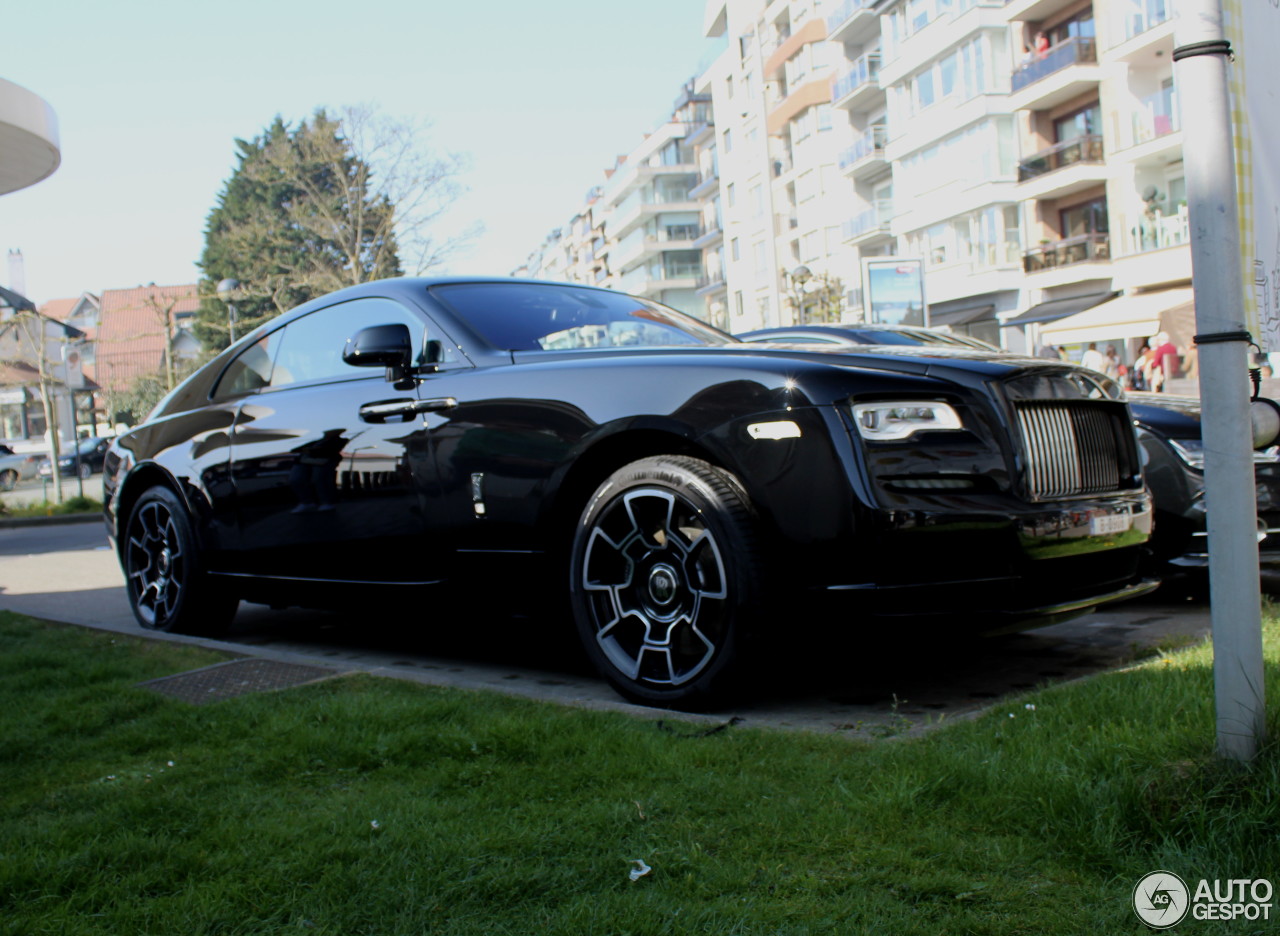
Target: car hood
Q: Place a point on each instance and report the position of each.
(1175, 417)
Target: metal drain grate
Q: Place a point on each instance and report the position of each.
(236, 678)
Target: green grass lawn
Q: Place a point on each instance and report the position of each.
(372, 806)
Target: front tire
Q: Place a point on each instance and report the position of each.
(85, 471)
(168, 586)
(8, 479)
(666, 581)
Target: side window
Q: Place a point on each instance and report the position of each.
(251, 369)
(312, 346)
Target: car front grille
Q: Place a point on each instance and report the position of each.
(1074, 448)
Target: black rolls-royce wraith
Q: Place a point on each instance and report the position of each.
(685, 492)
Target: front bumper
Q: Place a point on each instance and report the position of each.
(1003, 567)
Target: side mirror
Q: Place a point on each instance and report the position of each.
(379, 346)
(386, 346)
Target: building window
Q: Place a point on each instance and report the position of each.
(728, 141)
(739, 304)
(730, 194)
(1089, 218)
(735, 249)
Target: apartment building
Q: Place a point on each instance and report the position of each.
(639, 231)
(783, 201)
(1027, 153)
(1101, 178)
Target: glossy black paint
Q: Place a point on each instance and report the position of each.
(485, 457)
(1177, 486)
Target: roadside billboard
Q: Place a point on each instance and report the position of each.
(893, 291)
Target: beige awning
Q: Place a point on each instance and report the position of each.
(1133, 316)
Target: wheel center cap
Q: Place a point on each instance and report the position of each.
(662, 584)
(165, 559)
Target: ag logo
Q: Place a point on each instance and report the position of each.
(1161, 899)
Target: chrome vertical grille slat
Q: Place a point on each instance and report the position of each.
(1070, 448)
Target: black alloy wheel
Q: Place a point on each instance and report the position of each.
(168, 587)
(665, 581)
(85, 470)
(8, 479)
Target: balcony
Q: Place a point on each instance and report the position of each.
(709, 235)
(1144, 33)
(871, 225)
(866, 156)
(1155, 134)
(710, 284)
(1067, 70)
(1068, 167)
(1052, 255)
(784, 223)
(706, 185)
(639, 213)
(853, 22)
(859, 86)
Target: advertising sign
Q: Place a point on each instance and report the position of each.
(893, 291)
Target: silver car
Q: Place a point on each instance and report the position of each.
(15, 467)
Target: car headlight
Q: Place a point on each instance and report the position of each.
(1191, 451)
(895, 420)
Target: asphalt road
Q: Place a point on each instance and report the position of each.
(904, 683)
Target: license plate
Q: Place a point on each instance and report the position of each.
(1110, 524)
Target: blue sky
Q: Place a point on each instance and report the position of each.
(150, 97)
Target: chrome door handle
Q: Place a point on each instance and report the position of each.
(377, 412)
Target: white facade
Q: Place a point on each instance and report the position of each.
(1033, 178)
(782, 197)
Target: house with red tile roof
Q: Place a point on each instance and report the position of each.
(134, 328)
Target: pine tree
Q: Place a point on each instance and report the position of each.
(300, 216)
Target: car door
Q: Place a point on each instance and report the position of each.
(329, 461)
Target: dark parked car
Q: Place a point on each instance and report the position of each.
(683, 492)
(85, 462)
(846, 335)
(1169, 432)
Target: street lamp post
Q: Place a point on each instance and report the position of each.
(227, 290)
(798, 277)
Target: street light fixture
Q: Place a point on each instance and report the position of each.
(799, 276)
(227, 290)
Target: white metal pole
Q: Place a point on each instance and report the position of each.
(1209, 158)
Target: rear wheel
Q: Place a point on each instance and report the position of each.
(169, 588)
(8, 479)
(85, 470)
(666, 585)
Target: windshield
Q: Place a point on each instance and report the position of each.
(537, 317)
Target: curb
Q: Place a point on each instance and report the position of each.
(54, 520)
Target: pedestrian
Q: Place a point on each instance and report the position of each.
(1141, 368)
(1112, 366)
(1042, 45)
(1164, 362)
(1094, 359)
(1048, 351)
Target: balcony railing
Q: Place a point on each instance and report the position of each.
(1086, 148)
(1078, 50)
(870, 144)
(876, 218)
(1158, 231)
(1082, 249)
(681, 271)
(847, 9)
(1157, 117)
(864, 71)
(1152, 14)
